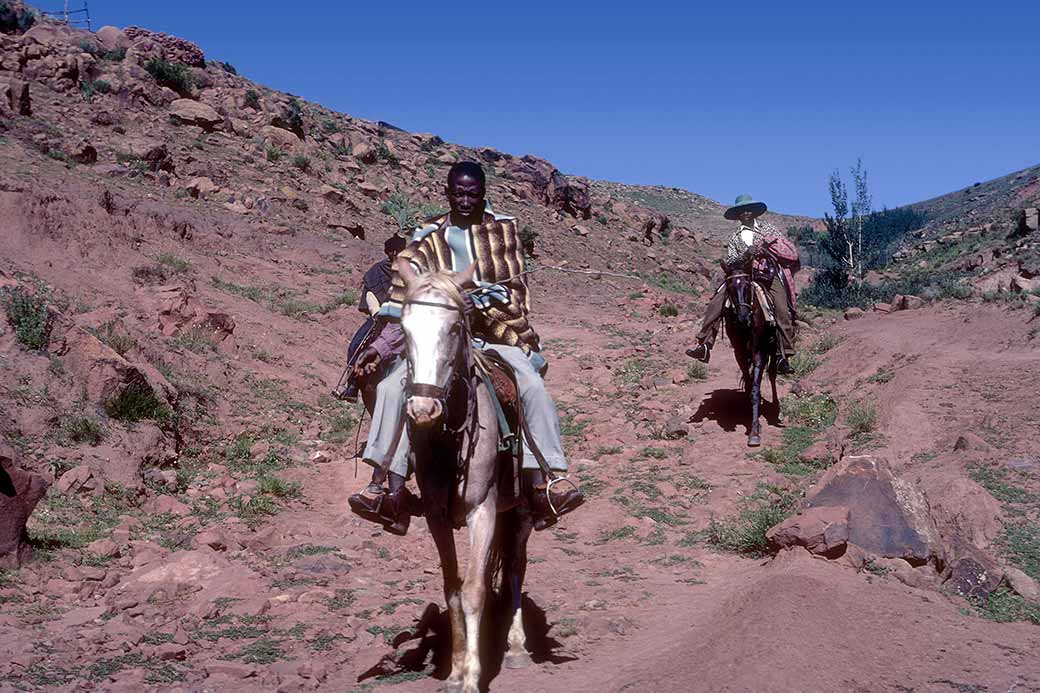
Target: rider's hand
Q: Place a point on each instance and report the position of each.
(367, 363)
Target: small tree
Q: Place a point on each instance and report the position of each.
(844, 241)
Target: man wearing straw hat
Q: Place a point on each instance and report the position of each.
(758, 240)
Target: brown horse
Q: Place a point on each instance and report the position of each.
(753, 337)
(454, 433)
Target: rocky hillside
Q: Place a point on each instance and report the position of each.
(989, 231)
(178, 269)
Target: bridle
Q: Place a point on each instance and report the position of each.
(741, 275)
(461, 327)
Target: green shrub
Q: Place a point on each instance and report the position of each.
(116, 55)
(302, 162)
(697, 371)
(117, 339)
(812, 411)
(861, 418)
(12, 20)
(137, 402)
(746, 533)
(384, 154)
(528, 237)
(98, 86)
(78, 428)
(252, 99)
(804, 363)
(668, 310)
(177, 264)
(172, 75)
(29, 315)
(401, 209)
(273, 153)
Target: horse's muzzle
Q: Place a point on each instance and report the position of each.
(424, 411)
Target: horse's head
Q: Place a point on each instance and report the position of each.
(738, 288)
(436, 338)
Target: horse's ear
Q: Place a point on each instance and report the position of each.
(464, 279)
(404, 269)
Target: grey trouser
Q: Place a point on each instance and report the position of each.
(539, 409)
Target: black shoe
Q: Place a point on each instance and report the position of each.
(783, 366)
(346, 393)
(563, 503)
(701, 352)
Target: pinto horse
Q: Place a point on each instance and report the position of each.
(752, 334)
(454, 433)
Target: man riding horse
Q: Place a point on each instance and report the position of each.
(763, 243)
(470, 234)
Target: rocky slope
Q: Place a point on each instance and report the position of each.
(178, 274)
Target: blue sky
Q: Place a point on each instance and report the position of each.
(765, 98)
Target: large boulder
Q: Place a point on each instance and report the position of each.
(888, 516)
(20, 491)
(112, 38)
(192, 112)
(1029, 221)
(279, 136)
(568, 196)
(172, 48)
(14, 97)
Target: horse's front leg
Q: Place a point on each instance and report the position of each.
(481, 525)
(516, 654)
(444, 538)
(755, 437)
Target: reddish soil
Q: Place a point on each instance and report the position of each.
(178, 555)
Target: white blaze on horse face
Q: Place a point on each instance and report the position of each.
(430, 351)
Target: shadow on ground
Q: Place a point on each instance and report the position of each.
(430, 651)
(730, 409)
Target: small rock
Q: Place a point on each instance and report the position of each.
(970, 441)
(882, 308)
(1022, 584)
(854, 313)
(823, 530)
(676, 428)
(105, 548)
(212, 538)
(331, 194)
(321, 457)
(201, 187)
(191, 112)
(77, 479)
(167, 504)
(594, 605)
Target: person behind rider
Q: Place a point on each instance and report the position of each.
(759, 241)
(375, 290)
(469, 234)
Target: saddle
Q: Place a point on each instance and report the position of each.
(501, 382)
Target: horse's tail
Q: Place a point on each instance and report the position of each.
(503, 550)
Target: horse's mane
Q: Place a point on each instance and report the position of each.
(444, 282)
(437, 281)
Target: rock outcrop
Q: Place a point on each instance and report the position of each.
(20, 491)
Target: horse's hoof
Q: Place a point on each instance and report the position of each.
(452, 687)
(521, 660)
(754, 441)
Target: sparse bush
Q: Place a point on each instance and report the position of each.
(804, 363)
(385, 155)
(12, 20)
(137, 402)
(78, 428)
(668, 310)
(883, 375)
(302, 162)
(274, 486)
(98, 86)
(273, 153)
(115, 55)
(177, 264)
(697, 371)
(861, 418)
(29, 315)
(348, 297)
(197, 340)
(118, 340)
(813, 411)
(528, 238)
(399, 207)
(746, 533)
(173, 75)
(252, 99)
(826, 343)
(226, 67)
